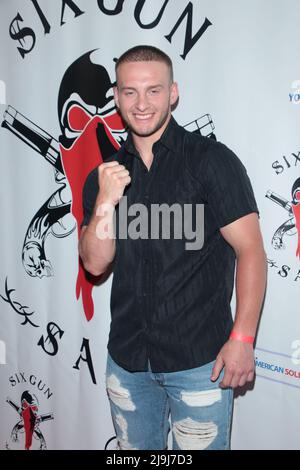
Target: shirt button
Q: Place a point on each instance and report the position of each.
(146, 260)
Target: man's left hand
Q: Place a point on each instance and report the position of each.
(237, 358)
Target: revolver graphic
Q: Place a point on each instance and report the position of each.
(51, 216)
(55, 214)
(38, 139)
(29, 422)
(288, 227)
(18, 409)
(203, 125)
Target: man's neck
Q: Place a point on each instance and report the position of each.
(144, 147)
(144, 144)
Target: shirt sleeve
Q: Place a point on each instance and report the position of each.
(229, 191)
(89, 195)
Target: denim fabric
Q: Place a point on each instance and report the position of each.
(141, 403)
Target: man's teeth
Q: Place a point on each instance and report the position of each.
(142, 116)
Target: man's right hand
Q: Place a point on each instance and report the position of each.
(113, 178)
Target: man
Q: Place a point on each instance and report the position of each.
(173, 347)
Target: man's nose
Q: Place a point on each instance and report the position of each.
(142, 102)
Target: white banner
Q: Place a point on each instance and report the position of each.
(237, 67)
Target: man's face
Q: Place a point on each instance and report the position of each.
(144, 95)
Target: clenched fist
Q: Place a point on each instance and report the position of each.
(113, 178)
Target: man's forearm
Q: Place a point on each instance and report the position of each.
(237, 357)
(251, 276)
(97, 243)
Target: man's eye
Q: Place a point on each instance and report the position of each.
(154, 92)
(128, 93)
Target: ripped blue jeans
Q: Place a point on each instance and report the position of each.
(141, 403)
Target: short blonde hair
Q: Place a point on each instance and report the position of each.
(145, 53)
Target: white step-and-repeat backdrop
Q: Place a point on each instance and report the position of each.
(237, 65)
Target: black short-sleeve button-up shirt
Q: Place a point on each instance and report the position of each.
(171, 305)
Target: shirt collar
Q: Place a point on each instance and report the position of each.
(168, 139)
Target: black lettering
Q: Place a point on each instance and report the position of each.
(278, 167)
(298, 276)
(19, 34)
(272, 263)
(12, 381)
(118, 8)
(287, 162)
(297, 159)
(87, 358)
(48, 393)
(52, 330)
(73, 7)
(42, 17)
(32, 379)
(40, 387)
(284, 271)
(189, 41)
(23, 377)
(137, 14)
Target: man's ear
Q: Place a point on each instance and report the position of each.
(116, 96)
(174, 93)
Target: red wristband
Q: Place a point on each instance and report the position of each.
(240, 337)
